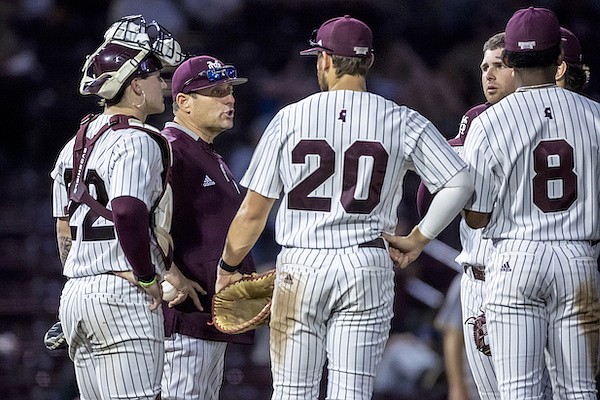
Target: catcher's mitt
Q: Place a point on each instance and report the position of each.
(480, 333)
(244, 305)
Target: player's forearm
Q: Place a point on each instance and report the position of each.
(446, 204)
(63, 238)
(133, 229)
(246, 227)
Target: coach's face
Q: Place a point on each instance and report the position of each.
(496, 78)
(212, 109)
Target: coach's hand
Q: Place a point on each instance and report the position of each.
(225, 278)
(185, 288)
(405, 249)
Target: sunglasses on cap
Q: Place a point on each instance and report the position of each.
(314, 43)
(214, 75)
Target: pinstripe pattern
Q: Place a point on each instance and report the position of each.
(115, 341)
(541, 287)
(129, 163)
(550, 290)
(330, 303)
(339, 158)
(500, 145)
(471, 298)
(102, 317)
(409, 139)
(191, 359)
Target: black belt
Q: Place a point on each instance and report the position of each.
(478, 272)
(378, 243)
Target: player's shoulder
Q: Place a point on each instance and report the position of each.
(465, 123)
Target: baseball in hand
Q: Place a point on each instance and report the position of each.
(169, 291)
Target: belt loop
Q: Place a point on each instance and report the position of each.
(476, 271)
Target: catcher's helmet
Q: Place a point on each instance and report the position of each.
(128, 49)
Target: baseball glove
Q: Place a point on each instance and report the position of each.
(480, 333)
(244, 305)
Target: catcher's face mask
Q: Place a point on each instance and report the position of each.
(142, 41)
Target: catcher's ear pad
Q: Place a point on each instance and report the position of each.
(244, 305)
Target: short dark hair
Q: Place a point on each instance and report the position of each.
(577, 77)
(494, 42)
(531, 59)
(351, 65)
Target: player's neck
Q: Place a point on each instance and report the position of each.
(350, 82)
(133, 112)
(534, 77)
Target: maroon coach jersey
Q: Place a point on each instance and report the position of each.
(205, 200)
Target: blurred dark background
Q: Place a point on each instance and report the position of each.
(427, 57)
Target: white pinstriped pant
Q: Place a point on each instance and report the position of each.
(333, 305)
(115, 341)
(482, 368)
(544, 295)
(193, 368)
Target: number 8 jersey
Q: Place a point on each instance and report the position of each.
(125, 162)
(538, 144)
(339, 158)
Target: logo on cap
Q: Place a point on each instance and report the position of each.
(530, 45)
(361, 51)
(213, 64)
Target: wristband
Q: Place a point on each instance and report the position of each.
(146, 284)
(229, 268)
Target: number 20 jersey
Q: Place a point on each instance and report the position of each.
(535, 156)
(339, 158)
(126, 162)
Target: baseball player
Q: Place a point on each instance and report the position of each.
(339, 158)
(572, 73)
(534, 156)
(497, 82)
(107, 179)
(205, 199)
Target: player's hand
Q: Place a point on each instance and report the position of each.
(225, 278)
(405, 249)
(185, 288)
(154, 290)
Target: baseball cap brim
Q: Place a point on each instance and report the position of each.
(313, 51)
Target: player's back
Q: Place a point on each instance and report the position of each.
(343, 156)
(545, 145)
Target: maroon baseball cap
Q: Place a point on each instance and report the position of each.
(571, 47)
(532, 29)
(342, 36)
(202, 72)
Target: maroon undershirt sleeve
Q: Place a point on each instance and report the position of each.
(424, 199)
(132, 224)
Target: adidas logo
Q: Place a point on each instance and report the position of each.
(288, 279)
(505, 267)
(208, 182)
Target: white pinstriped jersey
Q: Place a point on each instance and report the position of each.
(540, 145)
(340, 157)
(475, 249)
(126, 162)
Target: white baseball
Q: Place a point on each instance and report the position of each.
(169, 291)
